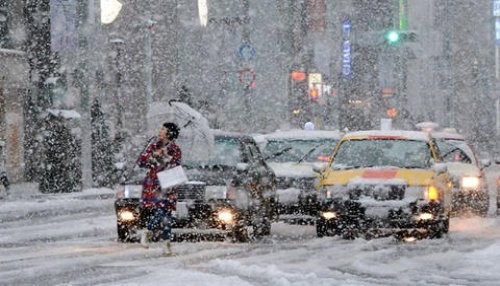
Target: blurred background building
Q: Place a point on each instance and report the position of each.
(252, 65)
(14, 73)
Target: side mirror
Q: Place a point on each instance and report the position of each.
(485, 163)
(497, 160)
(318, 167)
(440, 168)
(242, 167)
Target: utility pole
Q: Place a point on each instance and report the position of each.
(148, 66)
(448, 35)
(247, 88)
(85, 81)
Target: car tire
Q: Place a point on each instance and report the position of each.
(350, 233)
(320, 229)
(123, 233)
(439, 229)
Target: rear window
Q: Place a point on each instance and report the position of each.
(382, 152)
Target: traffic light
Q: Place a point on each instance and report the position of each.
(392, 112)
(392, 37)
(314, 94)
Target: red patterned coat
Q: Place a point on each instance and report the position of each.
(152, 194)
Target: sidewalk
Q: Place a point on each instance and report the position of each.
(30, 190)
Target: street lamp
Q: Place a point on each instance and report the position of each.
(110, 10)
(203, 12)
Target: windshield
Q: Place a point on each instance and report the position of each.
(456, 151)
(227, 152)
(382, 152)
(305, 150)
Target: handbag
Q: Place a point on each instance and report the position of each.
(172, 177)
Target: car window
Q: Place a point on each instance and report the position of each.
(456, 151)
(382, 152)
(307, 150)
(227, 152)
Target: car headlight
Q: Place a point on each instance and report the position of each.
(226, 216)
(431, 193)
(126, 215)
(470, 182)
(328, 215)
(425, 216)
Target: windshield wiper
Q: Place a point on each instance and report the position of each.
(413, 167)
(449, 152)
(345, 167)
(278, 153)
(308, 153)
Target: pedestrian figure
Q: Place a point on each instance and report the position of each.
(4, 181)
(157, 204)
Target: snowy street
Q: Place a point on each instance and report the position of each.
(299, 128)
(70, 239)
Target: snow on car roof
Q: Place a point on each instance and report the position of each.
(223, 134)
(395, 134)
(298, 134)
(447, 135)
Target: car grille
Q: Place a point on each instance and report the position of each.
(191, 191)
(377, 192)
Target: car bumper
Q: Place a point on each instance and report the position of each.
(352, 215)
(191, 219)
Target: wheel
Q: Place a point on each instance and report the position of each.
(246, 231)
(350, 233)
(243, 233)
(320, 229)
(439, 228)
(123, 233)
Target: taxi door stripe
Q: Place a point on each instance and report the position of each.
(379, 174)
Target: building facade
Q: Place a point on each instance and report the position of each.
(14, 72)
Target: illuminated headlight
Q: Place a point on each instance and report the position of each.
(431, 193)
(225, 215)
(410, 239)
(470, 182)
(328, 215)
(126, 215)
(425, 216)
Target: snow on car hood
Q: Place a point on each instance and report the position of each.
(293, 170)
(458, 169)
(290, 195)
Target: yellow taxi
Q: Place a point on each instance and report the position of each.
(384, 182)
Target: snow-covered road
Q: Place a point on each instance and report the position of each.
(70, 239)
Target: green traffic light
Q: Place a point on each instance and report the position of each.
(392, 36)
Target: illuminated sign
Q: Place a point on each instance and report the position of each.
(496, 8)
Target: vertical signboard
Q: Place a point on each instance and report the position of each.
(496, 8)
(497, 31)
(346, 48)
